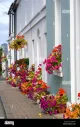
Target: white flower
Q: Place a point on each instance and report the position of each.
(38, 101)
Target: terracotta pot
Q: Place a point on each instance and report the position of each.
(62, 110)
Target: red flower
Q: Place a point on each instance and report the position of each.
(39, 69)
(22, 36)
(78, 94)
(61, 91)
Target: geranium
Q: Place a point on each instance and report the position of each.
(18, 43)
(53, 62)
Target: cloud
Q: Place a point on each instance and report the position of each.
(3, 26)
(4, 32)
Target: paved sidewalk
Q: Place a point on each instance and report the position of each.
(18, 106)
(2, 112)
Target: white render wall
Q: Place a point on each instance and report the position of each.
(26, 10)
(35, 31)
(31, 35)
(8, 56)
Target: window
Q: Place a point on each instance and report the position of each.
(26, 51)
(39, 47)
(33, 51)
(39, 50)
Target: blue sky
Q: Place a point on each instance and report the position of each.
(4, 20)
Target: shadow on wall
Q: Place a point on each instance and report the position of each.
(55, 83)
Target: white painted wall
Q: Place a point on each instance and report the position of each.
(26, 10)
(75, 48)
(32, 35)
(72, 51)
(57, 22)
(12, 56)
(77, 45)
(38, 52)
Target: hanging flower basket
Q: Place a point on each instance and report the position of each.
(18, 43)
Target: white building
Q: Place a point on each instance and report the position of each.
(45, 24)
(28, 18)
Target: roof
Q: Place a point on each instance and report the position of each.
(13, 6)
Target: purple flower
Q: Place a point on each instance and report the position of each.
(55, 111)
(50, 112)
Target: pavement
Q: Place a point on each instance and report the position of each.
(2, 112)
(17, 106)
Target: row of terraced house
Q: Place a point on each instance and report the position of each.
(46, 24)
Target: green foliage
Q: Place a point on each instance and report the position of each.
(22, 61)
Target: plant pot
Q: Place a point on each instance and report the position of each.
(61, 110)
(58, 72)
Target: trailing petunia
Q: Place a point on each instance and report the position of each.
(53, 62)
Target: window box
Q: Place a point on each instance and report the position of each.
(58, 72)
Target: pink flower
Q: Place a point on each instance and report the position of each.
(56, 67)
(49, 65)
(53, 68)
(44, 61)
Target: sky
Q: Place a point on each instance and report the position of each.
(4, 20)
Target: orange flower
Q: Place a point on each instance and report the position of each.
(54, 50)
(40, 82)
(22, 36)
(17, 36)
(61, 91)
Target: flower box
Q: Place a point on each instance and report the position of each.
(58, 72)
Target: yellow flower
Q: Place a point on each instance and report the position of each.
(40, 114)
